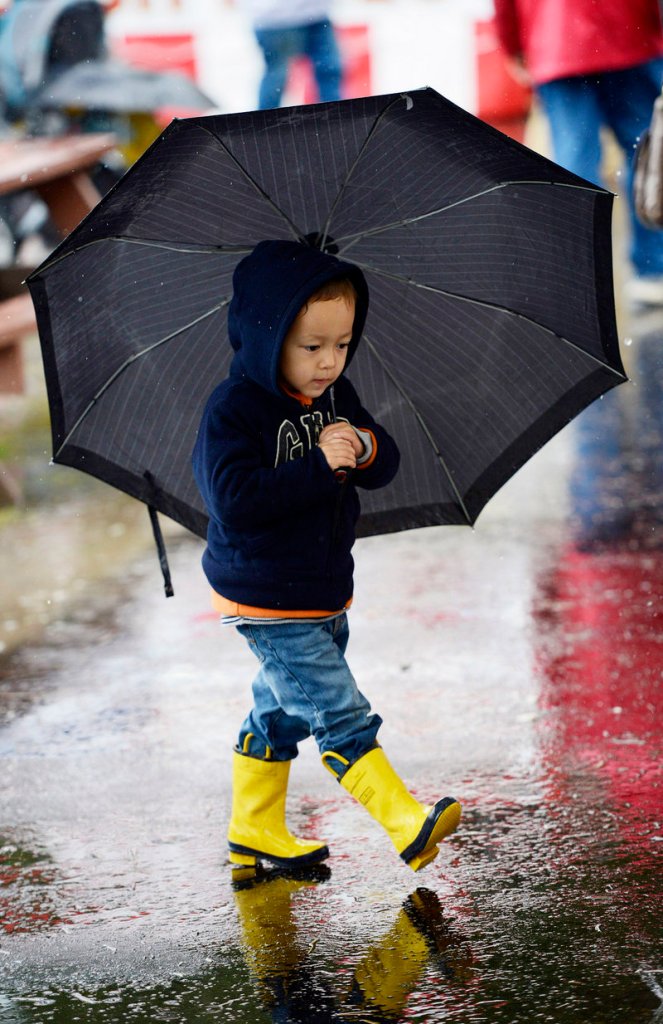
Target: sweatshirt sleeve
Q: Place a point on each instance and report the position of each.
(238, 489)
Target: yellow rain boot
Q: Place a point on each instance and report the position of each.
(257, 828)
(414, 829)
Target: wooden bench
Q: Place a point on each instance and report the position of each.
(58, 170)
(17, 320)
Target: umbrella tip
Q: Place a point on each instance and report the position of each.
(319, 240)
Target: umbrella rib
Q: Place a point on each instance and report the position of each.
(422, 423)
(137, 355)
(352, 239)
(249, 177)
(374, 127)
(192, 247)
(495, 306)
(154, 244)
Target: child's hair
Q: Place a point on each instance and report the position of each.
(337, 288)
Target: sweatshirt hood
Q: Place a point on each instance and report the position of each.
(270, 286)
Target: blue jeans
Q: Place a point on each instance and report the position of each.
(578, 107)
(280, 45)
(305, 688)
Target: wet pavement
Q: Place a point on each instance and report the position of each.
(517, 666)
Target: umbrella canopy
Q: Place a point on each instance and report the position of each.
(491, 320)
(111, 85)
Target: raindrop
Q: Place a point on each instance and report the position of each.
(82, 999)
(628, 341)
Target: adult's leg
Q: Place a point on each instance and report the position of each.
(627, 100)
(278, 47)
(322, 49)
(573, 110)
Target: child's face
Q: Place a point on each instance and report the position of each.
(316, 346)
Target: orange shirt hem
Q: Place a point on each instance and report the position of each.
(227, 607)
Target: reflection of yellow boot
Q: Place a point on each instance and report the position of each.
(414, 829)
(449, 950)
(257, 827)
(274, 951)
(391, 970)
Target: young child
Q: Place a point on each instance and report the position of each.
(283, 444)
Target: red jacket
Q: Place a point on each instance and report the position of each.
(558, 38)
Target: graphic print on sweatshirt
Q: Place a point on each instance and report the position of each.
(294, 442)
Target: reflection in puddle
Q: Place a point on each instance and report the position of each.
(617, 482)
(25, 881)
(281, 976)
(294, 986)
(598, 617)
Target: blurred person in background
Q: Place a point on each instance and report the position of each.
(593, 66)
(285, 29)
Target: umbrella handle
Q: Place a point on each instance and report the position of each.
(342, 473)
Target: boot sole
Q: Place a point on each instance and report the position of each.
(246, 857)
(442, 820)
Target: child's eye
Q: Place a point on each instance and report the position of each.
(311, 348)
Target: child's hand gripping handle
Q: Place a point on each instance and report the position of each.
(337, 442)
(332, 452)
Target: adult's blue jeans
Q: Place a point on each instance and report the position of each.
(304, 687)
(280, 45)
(578, 107)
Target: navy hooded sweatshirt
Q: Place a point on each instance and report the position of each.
(281, 525)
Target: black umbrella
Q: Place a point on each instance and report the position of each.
(491, 322)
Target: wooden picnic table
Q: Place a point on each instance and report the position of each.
(58, 170)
